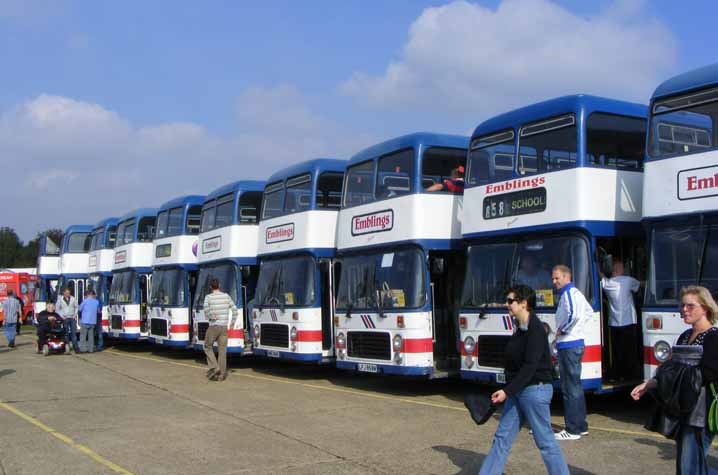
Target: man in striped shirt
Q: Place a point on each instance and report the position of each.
(11, 313)
(217, 306)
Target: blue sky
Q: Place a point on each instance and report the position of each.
(123, 104)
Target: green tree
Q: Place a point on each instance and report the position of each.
(10, 247)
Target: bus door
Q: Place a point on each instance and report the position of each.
(446, 272)
(632, 252)
(145, 285)
(326, 279)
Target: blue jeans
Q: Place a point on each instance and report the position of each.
(692, 446)
(100, 344)
(71, 332)
(10, 332)
(574, 401)
(532, 405)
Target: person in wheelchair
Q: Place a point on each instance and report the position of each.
(49, 323)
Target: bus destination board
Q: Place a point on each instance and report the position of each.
(515, 203)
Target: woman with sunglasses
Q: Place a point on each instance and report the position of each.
(700, 311)
(528, 391)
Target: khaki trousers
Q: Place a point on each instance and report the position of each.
(219, 334)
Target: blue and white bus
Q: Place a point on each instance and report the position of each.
(400, 251)
(102, 252)
(174, 270)
(294, 304)
(48, 272)
(680, 203)
(227, 251)
(74, 252)
(132, 275)
(558, 182)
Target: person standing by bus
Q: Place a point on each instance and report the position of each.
(528, 390)
(22, 309)
(572, 315)
(67, 307)
(217, 306)
(88, 320)
(99, 340)
(12, 312)
(622, 318)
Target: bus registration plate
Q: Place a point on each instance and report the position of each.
(273, 353)
(368, 368)
(501, 378)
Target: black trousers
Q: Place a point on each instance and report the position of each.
(625, 354)
(42, 330)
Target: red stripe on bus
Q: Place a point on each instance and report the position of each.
(309, 335)
(105, 323)
(475, 353)
(649, 357)
(592, 354)
(131, 323)
(232, 333)
(179, 328)
(417, 345)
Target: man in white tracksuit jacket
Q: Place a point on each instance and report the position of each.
(572, 316)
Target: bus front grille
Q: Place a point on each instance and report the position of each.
(202, 330)
(116, 322)
(273, 334)
(369, 345)
(491, 350)
(158, 326)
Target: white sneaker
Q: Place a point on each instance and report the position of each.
(583, 434)
(563, 435)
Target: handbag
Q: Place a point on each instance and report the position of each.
(479, 406)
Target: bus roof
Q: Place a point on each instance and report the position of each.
(580, 104)
(689, 81)
(415, 140)
(106, 222)
(78, 228)
(315, 167)
(139, 213)
(181, 201)
(236, 186)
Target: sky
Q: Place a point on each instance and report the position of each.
(110, 106)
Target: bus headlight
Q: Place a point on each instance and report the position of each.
(293, 334)
(341, 341)
(398, 342)
(397, 358)
(469, 345)
(662, 351)
(256, 332)
(469, 361)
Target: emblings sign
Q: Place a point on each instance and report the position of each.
(373, 222)
(698, 183)
(281, 233)
(120, 257)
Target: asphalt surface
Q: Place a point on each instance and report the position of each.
(136, 408)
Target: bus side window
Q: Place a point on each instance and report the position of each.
(193, 219)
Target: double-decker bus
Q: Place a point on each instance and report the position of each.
(401, 258)
(74, 251)
(174, 270)
(558, 182)
(23, 286)
(100, 261)
(293, 307)
(132, 275)
(48, 272)
(227, 251)
(680, 204)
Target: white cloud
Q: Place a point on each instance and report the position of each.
(75, 162)
(464, 57)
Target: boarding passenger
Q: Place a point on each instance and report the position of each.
(67, 307)
(622, 318)
(572, 315)
(44, 321)
(217, 306)
(700, 311)
(528, 390)
(99, 340)
(12, 312)
(88, 320)
(454, 184)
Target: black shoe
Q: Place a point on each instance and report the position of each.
(215, 376)
(211, 372)
(11, 344)
(221, 377)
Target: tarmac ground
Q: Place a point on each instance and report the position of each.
(143, 409)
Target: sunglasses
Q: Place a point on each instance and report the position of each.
(689, 306)
(509, 301)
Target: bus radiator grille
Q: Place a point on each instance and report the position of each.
(369, 345)
(273, 334)
(158, 326)
(491, 350)
(116, 322)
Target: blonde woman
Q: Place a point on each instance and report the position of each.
(700, 311)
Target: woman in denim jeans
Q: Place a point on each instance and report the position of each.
(528, 391)
(700, 311)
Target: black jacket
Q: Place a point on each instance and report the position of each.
(528, 357)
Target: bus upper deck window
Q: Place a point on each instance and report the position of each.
(273, 202)
(358, 184)
(174, 222)
(329, 190)
(438, 162)
(225, 211)
(249, 205)
(492, 158)
(614, 141)
(395, 173)
(193, 219)
(554, 143)
(161, 228)
(207, 222)
(299, 193)
(145, 229)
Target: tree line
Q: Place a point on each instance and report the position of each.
(13, 253)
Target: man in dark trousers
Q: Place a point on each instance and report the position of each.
(45, 319)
